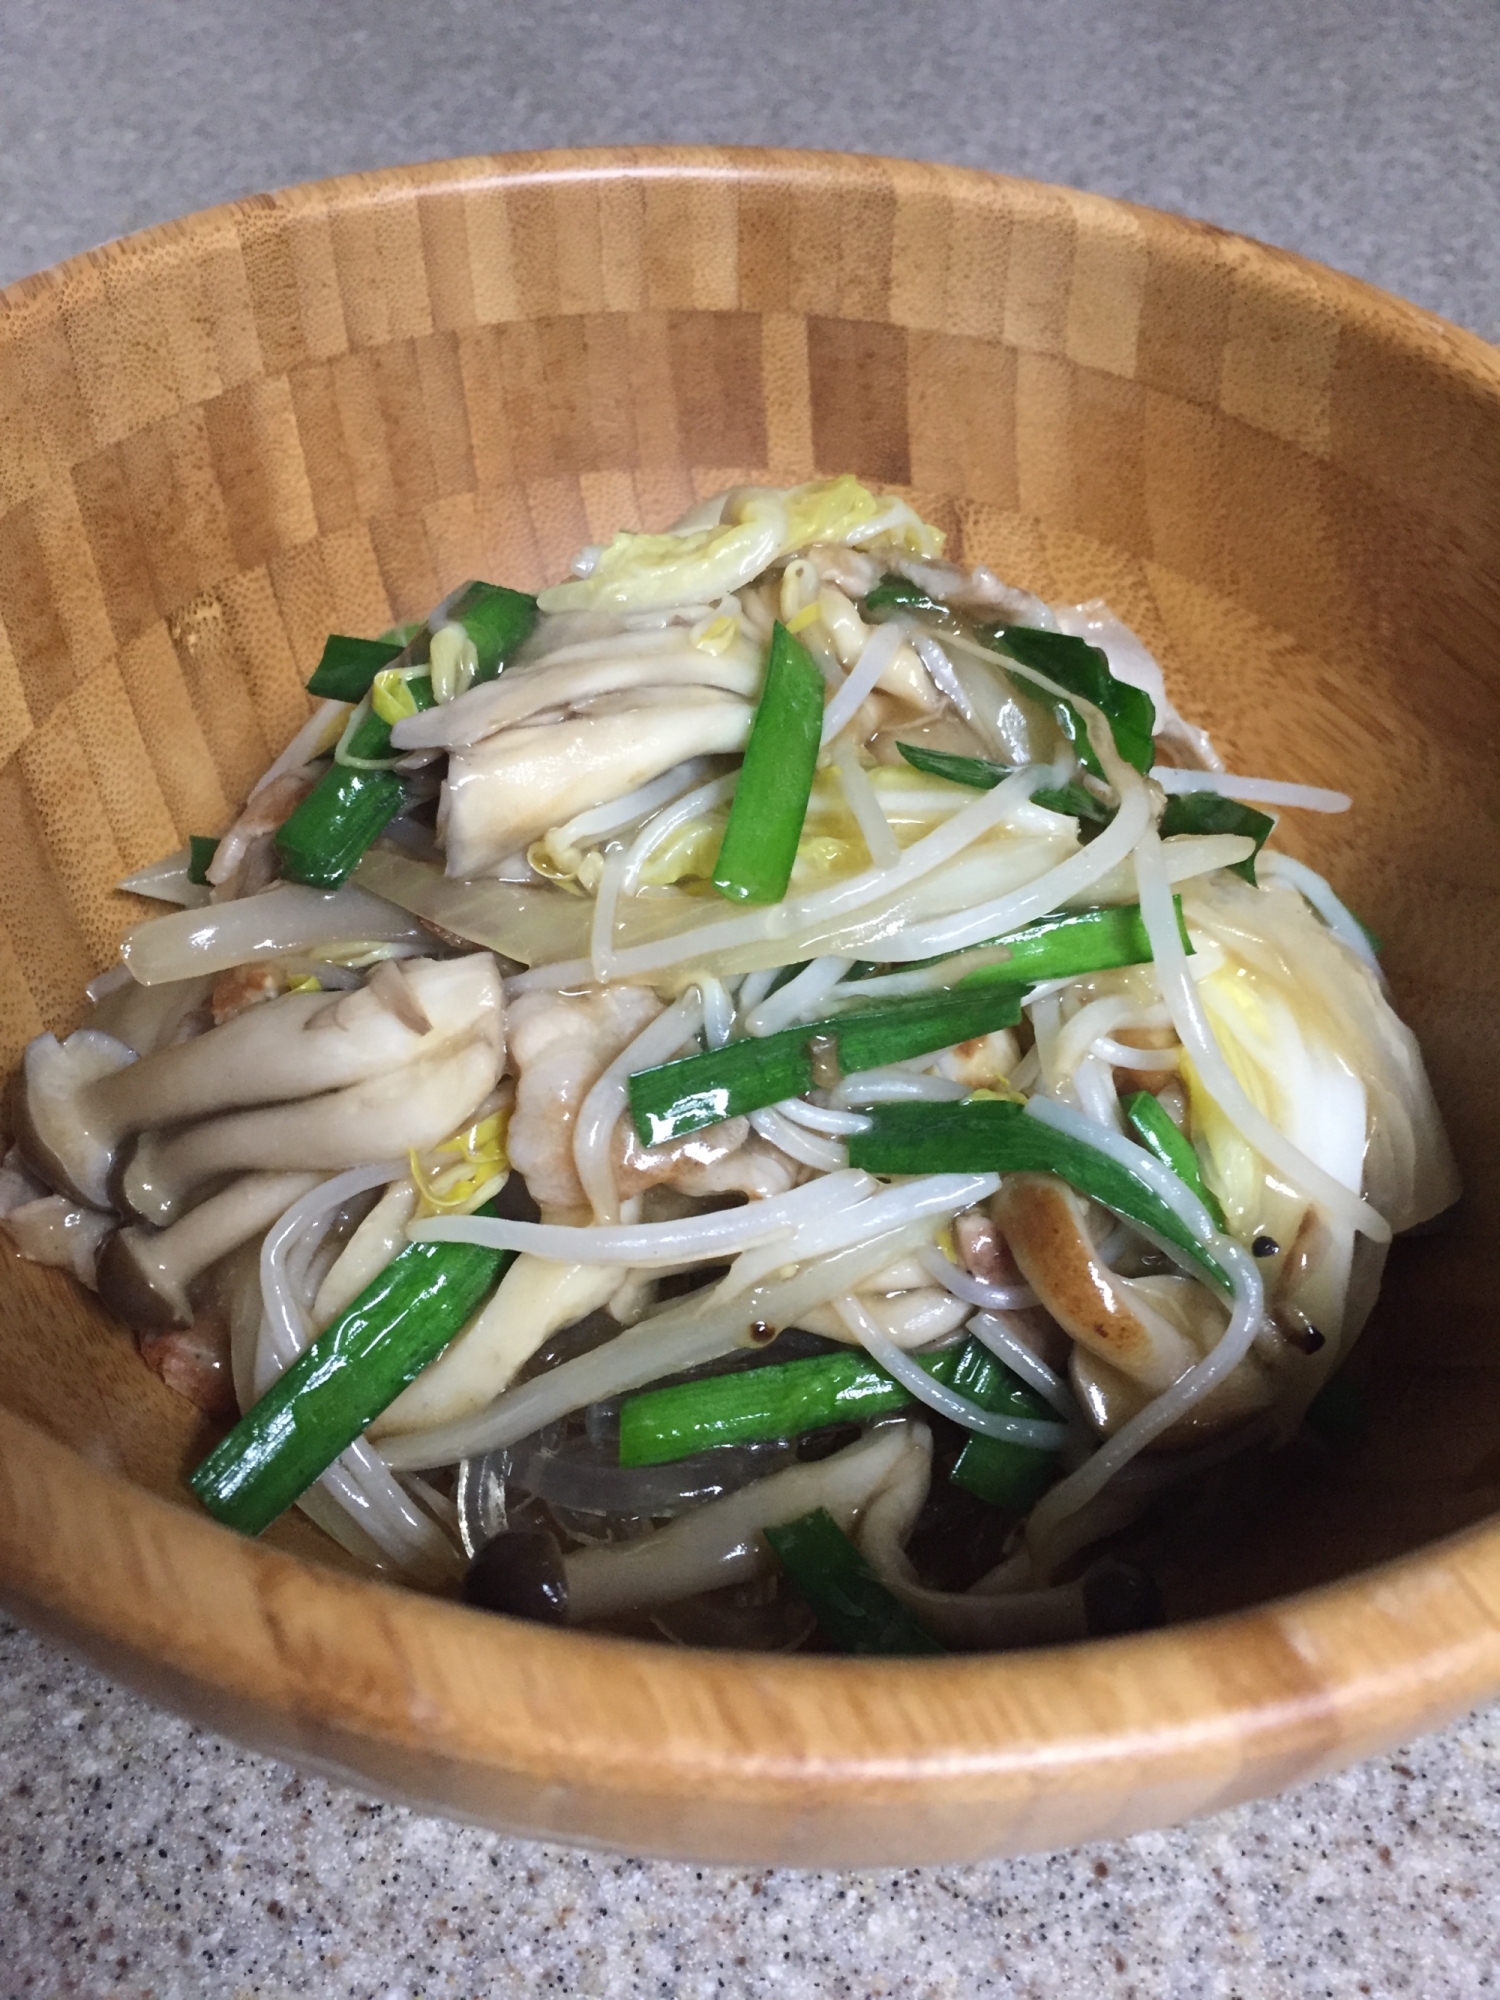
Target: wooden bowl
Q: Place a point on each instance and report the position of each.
(320, 409)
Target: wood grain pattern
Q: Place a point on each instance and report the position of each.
(320, 409)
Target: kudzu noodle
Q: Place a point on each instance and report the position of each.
(775, 1093)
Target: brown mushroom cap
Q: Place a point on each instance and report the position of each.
(411, 1108)
(522, 1574)
(144, 1275)
(49, 1110)
(83, 1099)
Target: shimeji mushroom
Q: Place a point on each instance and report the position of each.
(534, 1299)
(576, 675)
(1135, 1336)
(350, 1080)
(412, 1108)
(525, 1572)
(512, 787)
(144, 1275)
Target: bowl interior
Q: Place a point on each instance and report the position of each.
(320, 410)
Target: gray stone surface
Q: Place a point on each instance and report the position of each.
(1362, 132)
(139, 1857)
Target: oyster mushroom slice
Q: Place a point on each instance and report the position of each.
(508, 790)
(1135, 1336)
(78, 1101)
(1043, 1222)
(914, 1316)
(522, 693)
(372, 1246)
(383, 1117)
(144, 1274)
(1111, 1398)
(534, 1299)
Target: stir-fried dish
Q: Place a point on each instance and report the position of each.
(774, 1093)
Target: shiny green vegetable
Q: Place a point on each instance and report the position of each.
(994, 1136)
(899, 593)
(1160, 1136)
(349, 665)
(1062, 946)
(1208, 812)
(323, 838)
(354, 1369)
(1084, 671)
(497, 620)
(999, 1470)
(984, 776)
(780, 1400)
(678, 1097)
(854, 1608)
(202, 847)
(1069, 944)
(770, 802)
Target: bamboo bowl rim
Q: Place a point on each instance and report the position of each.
(1206, 1713)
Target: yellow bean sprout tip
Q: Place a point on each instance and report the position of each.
(800, 620)
(716, 635)
(390, 697)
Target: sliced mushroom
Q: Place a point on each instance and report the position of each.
(509, 789)
(533, 1300)
(1110, 1398)
(715, 1545)
(145, 1274)
(1136, 1334)
(372, 1246)
(1044, 1224)
(855, 573)
(903, 674)
(563, 685)
(409, 1109)
(78, 1100)
(18, 1184)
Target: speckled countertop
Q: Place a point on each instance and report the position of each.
(139, 1857)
